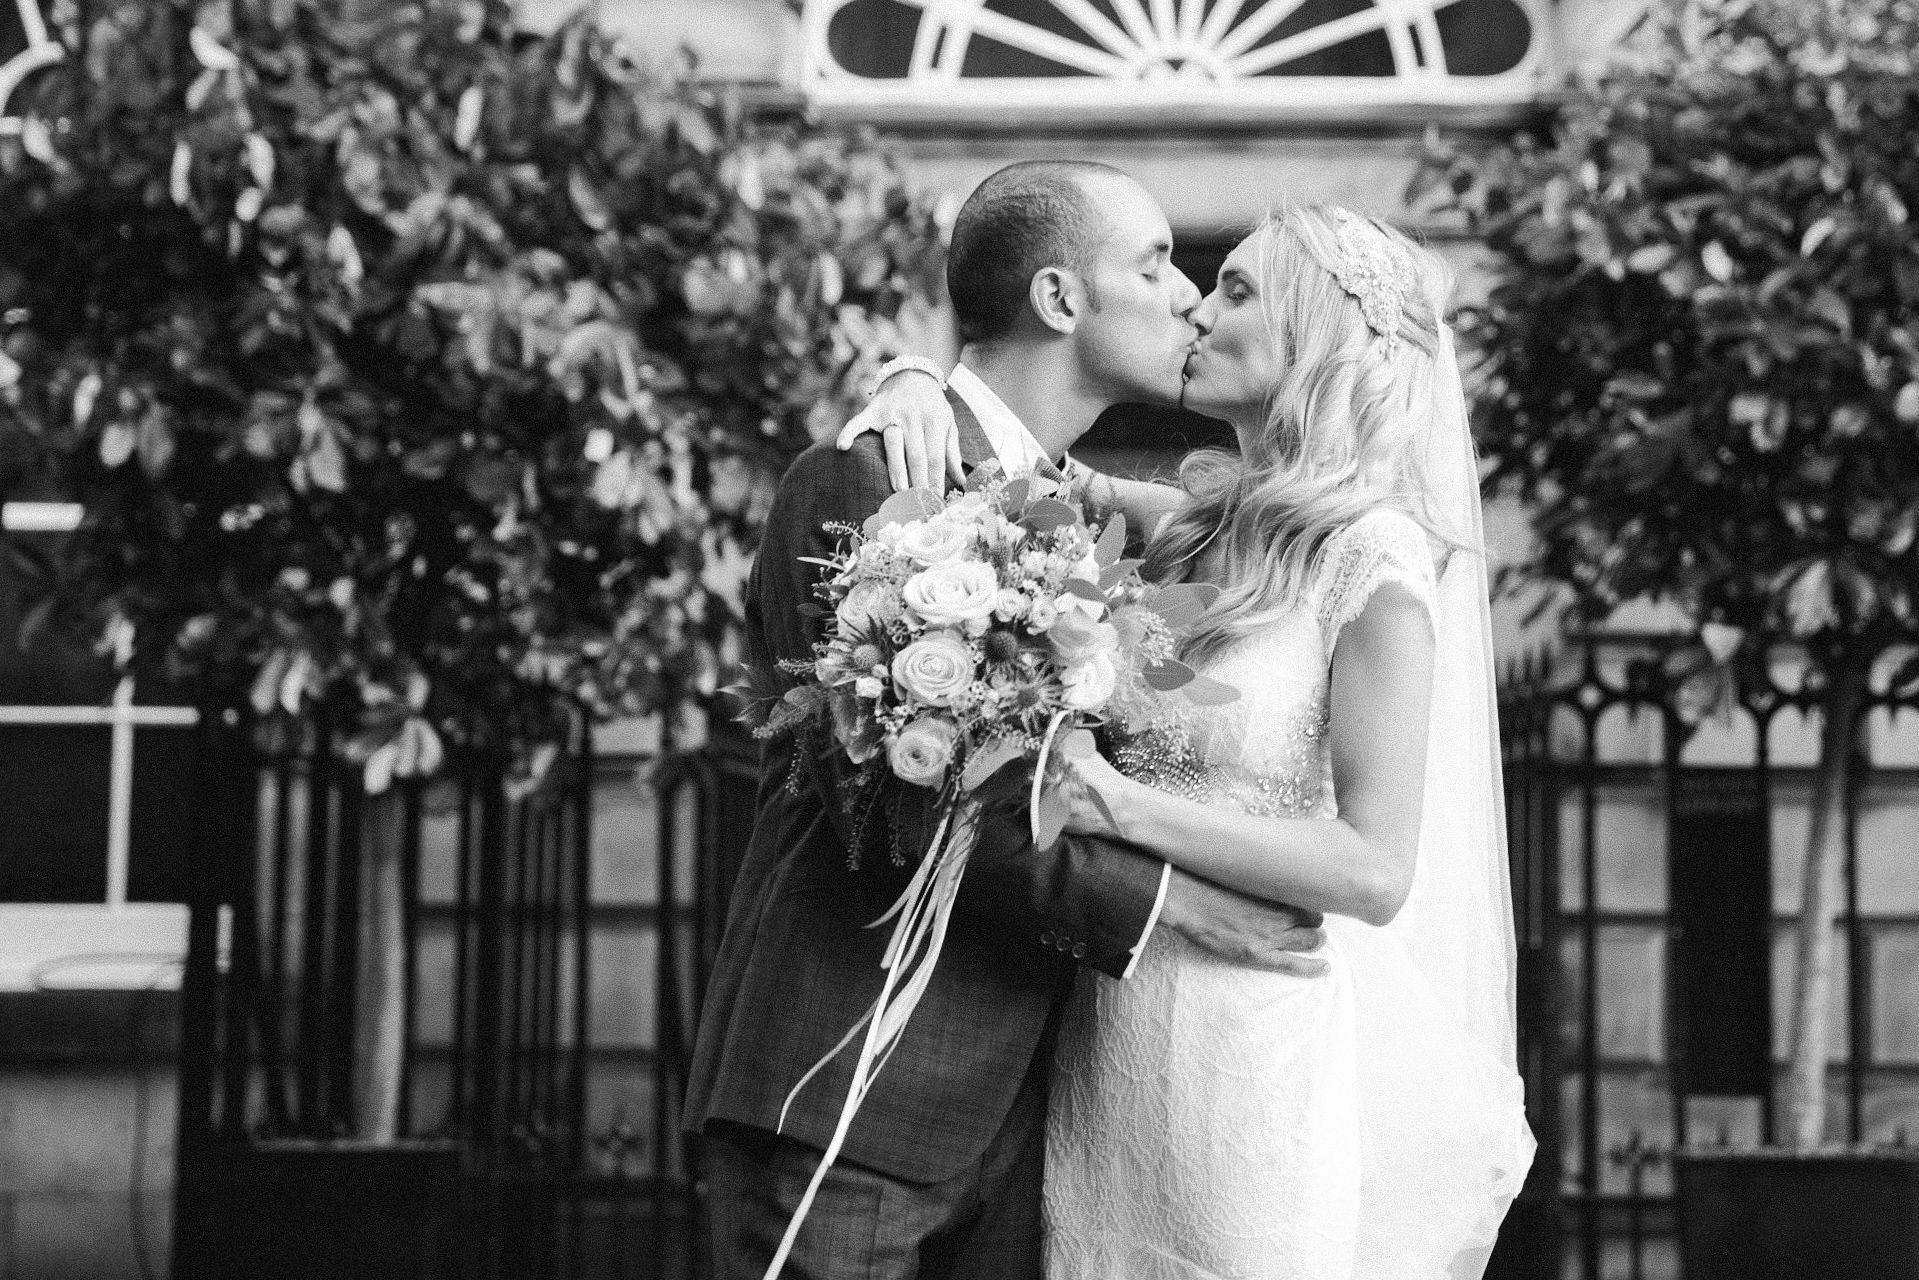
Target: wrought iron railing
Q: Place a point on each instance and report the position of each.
(1607, 728)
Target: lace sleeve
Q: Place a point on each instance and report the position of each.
(1378, 548)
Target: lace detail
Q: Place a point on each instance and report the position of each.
(1209, 1121)
(1378, 548)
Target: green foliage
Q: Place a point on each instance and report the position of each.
(419, 368)
(1701, 345)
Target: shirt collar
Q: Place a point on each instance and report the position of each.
(1013, 443)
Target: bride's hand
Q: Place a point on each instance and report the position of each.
(1095, 796)
(916, 424)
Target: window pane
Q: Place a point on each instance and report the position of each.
(162, 830)
(53, 813)
(13, 35)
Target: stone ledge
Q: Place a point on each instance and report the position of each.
(50, 1027)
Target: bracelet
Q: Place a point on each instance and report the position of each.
(901, 364)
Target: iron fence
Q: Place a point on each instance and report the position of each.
(1637, 832)
(494, 929)
(1642, 838)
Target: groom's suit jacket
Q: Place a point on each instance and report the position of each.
(797, 967)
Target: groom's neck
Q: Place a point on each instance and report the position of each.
(1042, 385)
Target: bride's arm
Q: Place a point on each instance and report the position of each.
(910, 413)
(1144, 503)
(1359, 864)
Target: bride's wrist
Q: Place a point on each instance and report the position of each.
(1125, 803)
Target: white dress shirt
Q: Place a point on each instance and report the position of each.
(1020, 454)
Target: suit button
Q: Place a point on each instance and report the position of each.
(1046, 939)
(1079, 951)
(1065, 943)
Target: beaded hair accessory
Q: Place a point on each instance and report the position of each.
(1375, 271)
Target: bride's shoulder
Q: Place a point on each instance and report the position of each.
(1381, 532)
(1384, 545)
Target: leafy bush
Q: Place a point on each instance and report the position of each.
(1700, 360)
(1701, 352)
(420, 369)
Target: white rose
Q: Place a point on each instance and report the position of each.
(935, 669)
(952, 593)
(869, 687)
(922, 752)
(859, 608)
(1076, 640)
(934, 541)
(1090, 684)
(1067, 602)
(1009, 604)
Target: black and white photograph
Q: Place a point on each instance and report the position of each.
(959, 640)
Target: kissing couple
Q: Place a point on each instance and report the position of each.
(1252, 1016)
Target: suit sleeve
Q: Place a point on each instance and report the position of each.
(1091, 900)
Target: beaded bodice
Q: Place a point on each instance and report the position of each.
(1267, 753)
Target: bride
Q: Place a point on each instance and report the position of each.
(1211, 1121)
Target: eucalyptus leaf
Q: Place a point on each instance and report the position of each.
(1168, 675)
(1052, 813)
(1183, 604)
(1112, 540)
(989, 760)
(904, 507)
(1045, 514)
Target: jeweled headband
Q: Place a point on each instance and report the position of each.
(1377, 272)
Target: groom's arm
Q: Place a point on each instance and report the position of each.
(1096, 902)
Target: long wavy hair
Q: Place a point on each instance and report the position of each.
(1344, 432)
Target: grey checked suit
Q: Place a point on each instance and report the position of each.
(796, 969)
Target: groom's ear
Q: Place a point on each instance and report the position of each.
(1058, 298)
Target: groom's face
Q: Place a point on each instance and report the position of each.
(1134, 339)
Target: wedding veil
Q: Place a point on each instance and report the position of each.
(1444, 1140)
(1458, 921)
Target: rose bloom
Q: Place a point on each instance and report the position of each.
(860, 608)
(1075, 640)
(1040, 616)
(934, 541)
(922, 752)
(935, 669)
(1009, 604)
(869, 686)
(1090, 684)
(952, 593)
(1067, 602)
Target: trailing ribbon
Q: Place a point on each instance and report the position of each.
(919, 932)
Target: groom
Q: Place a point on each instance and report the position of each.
(1068, 302)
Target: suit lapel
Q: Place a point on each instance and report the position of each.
(975, 448)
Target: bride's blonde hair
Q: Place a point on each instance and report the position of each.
(1343, 435)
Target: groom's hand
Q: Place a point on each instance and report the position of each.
(1242, 930)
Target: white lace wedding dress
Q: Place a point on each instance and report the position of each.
(1209, 1121)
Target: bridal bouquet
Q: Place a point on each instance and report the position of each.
(964, 634)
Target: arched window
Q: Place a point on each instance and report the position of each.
(1053, 60)
(25, 47)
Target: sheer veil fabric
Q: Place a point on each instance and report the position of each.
(1451, 953)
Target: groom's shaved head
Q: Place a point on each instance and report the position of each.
(1023, 219)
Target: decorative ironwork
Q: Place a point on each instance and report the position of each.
(1616, 721)
(1054, 59)
(25, 47)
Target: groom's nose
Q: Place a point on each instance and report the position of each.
(1186, 295)
(1199, 315)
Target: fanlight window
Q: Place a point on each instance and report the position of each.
(1113, 58)
(24, 48)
